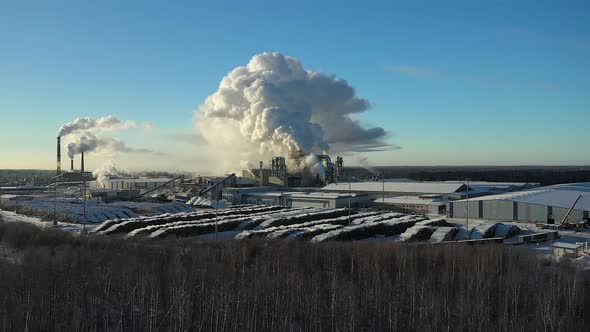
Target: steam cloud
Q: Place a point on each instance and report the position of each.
(90, 143)
(273, 106)
(109, 122)
(86, 135)
(102, 173)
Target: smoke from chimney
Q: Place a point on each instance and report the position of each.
(273, 106)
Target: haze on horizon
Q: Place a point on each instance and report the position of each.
(437, 84)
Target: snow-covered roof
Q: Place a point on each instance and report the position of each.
(562, 196)
(399, 180)
(565, 245)
(398, 187)
(320, 195)
(139, 179)
(410, 200)
(485, 186)
(297, 194)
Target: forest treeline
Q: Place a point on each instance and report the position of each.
(545, 176)
(64, 282)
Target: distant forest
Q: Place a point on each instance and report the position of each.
(543, 175)
(54, 281)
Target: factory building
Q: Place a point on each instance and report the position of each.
(448, 189)
(274, 196)
(378, 189)
(544, 205)
(135, 183)
(301, 199)
(423, 197)
(425, 204)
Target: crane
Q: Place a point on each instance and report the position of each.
(204, 191)
(160, 186)
(567, 214)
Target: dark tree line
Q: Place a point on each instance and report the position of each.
(543, 175)
(67, 283)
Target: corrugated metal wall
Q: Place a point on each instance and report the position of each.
(507, 210)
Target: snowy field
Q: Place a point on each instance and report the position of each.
(76, 228)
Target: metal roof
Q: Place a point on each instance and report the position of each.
(565, 245)
(297, 194)
(411, 200)
(485, 186)
(398, 187)
(562, 195)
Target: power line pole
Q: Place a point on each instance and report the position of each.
(383, 193)
(216, 203)
(84, 200)
(467, 208)
(349, 199)
(55, 202)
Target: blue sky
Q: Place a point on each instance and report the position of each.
(456, 83)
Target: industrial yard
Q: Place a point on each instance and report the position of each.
(295, 166)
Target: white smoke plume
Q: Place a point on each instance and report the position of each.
(102, 173)
(88, 135)
(314, 165)
(88, 142)
(107, 123)
(364, 163)
(273, 106)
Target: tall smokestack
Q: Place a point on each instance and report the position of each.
(261, 177)
(72, 164)
(58, 155)
(82, 163)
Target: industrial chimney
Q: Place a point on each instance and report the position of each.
(82, 163)
(72, 164)
(261, 177)
(58, 155)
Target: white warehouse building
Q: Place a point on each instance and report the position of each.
(274, 196)
(133, 183)
(545, 205)
(306, 199)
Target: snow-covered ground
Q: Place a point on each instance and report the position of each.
(97, 211)
(9, 216)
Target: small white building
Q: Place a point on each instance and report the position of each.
(567, 249)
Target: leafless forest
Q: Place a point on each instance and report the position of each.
(53, 281)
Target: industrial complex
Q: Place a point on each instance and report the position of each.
(303, 196)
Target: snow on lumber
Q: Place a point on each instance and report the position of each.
(368, 229)
(440, 222)
(285, 230)
(303, 217)
(491, 230)
(507, 230)
(199, 229)
(417, 233)
(127, 225)
(442, 234)
(96, 211)
(151, 228)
